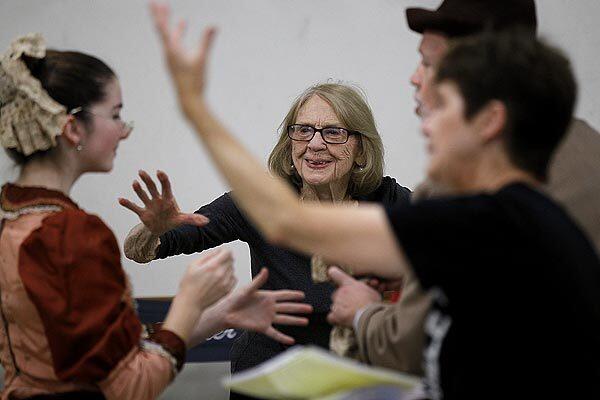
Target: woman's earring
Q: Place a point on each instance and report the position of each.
(79, 147)
(292, 166)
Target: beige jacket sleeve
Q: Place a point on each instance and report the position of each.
(391, 335)
(141, 244)
(574, 178)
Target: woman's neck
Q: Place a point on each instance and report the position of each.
(333, 192)
(46, 173)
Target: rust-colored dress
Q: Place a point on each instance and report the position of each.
(68, 323)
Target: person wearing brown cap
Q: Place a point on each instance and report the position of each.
(392, 335)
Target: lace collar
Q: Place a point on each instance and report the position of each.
(17, 199)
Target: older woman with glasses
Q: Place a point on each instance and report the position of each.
(329, 150)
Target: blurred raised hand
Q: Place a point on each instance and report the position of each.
(187, 67)
(160, 212)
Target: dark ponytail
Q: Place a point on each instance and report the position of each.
(71, 78)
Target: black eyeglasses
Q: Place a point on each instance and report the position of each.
(331, 135)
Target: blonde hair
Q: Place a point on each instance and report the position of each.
(350, 106)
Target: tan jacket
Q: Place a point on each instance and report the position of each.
(574, 178)
(392, 335)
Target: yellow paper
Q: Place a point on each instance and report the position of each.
(311, 373)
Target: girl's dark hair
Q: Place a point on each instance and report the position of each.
(71, 78)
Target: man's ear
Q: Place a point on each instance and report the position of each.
(73, 132)
(492, 120)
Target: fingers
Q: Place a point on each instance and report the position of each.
(206, 43)
(259, 280)
(339, 277)
(223, 256)
(231, 283)
(149, 183)
(210, 278)
(332, 319)
(336, 317)
(218, 256)
(213, 260)
(178, 32)
(373, 282)
(293, 308)
(287, 295)
(172, 38)
(165, 184)
(130, 205)
(222, 263)
(209, 255)
(160, 15)
(278, 336)
(141, 193)
(282, 319)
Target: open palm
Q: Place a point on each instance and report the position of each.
(160, 212)
(257, 310)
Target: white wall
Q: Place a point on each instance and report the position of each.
(266, 53)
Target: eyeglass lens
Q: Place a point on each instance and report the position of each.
(331, 135)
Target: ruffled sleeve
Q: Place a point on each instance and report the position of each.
(71, 269)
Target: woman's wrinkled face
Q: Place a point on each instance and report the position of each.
(317, 162)
(107, 129)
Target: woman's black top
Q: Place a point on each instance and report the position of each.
(287, 269)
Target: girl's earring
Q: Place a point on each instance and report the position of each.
(79, 147)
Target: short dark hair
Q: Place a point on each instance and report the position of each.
(532, 79)
(71, 78)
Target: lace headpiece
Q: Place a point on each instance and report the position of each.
(30, 119)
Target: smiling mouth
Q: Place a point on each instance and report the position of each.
(317, 164)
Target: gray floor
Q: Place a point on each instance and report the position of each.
(196, 381)
(199, 381)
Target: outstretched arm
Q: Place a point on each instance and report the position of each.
(358, 237)
(159, 214)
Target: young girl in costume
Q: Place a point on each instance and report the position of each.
(68, 325)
